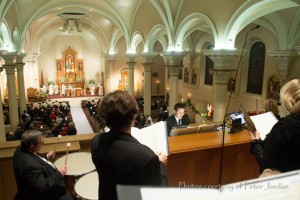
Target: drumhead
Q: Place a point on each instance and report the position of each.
(87, 186)
(78, 163)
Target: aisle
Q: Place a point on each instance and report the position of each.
(81, 123)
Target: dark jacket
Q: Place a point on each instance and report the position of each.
(120, 159)
(172, 123)
(36, 179)
(281, 148)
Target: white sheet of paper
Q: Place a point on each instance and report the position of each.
(264, 123)
(154, 136)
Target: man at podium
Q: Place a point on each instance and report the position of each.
(178, 119)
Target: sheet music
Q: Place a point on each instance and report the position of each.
(154, 136)
(264, 123)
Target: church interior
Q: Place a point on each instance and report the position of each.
(210, 55)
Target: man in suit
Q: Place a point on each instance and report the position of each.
(36, 177)
(119, 158)
(178, 119)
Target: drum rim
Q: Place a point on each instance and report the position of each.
(95, 172)
(79, 174)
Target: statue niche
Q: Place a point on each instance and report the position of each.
(70, 69)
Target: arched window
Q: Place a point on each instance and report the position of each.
(209, 66)
(256, 68)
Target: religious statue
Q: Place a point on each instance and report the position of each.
(186, 75)
(194, 77)
(51, 89)
(209, 111)
(56, 89)
(69, 63)
(63, 90)
(100, 91)
(92, 90)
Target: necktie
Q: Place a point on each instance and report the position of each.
(179, 122)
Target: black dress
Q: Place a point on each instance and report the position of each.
(281, 148)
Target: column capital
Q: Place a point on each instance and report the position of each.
(20, 66)
(148, 57)
(32, 57)
(222, 58)
(9, 58)
(282, 59)
(19, 57)
(174, 58)
(222, 76)
(109, 57)
(174, 70)
(131, 58)
(10, 69)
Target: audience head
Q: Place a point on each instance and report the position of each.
(32, 140)
(118, 109)
(271, 105)
(179, 110)
(290, 96)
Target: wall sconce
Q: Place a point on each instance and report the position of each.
(189, 95)
(157, 86)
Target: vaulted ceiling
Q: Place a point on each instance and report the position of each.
(176, 24)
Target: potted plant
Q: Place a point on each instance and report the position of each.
(79, 79)
(92, 82)
(50, 83)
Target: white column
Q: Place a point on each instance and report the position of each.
(148, 63)
(2, 128)
(173, 61)
(109, 75)
(131, 63)
(223, 70)
(21, 85)
(131, 77)
(147, 88)
(11, 86)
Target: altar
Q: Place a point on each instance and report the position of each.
(70, 70)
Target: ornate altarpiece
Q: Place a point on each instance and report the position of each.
(70, 69)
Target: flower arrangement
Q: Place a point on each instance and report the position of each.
(63, 79)
(79, 79)
(92, 82)
(50, 83)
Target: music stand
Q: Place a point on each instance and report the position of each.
(236, 126)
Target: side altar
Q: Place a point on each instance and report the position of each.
(70, 70)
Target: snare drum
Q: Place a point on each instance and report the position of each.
(78, 164)
(87, 186)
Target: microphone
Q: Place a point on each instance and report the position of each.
(226, 110)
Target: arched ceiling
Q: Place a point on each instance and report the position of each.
(170, 21)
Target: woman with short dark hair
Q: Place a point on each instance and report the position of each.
(119, 158)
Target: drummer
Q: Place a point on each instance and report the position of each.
(36, 177)
(119, 158)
